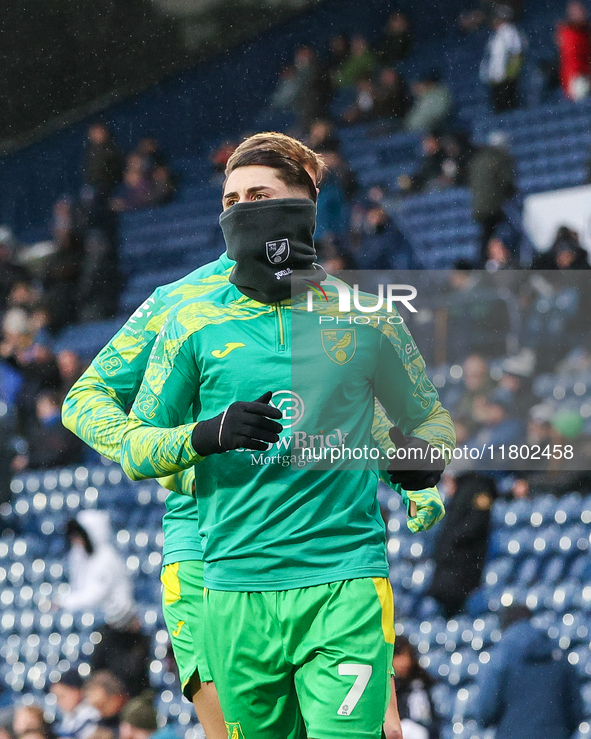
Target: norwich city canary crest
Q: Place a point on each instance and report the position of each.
(234, 730)
(339, 344)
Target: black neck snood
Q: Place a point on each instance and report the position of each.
(268, 241)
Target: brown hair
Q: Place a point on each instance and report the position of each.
(104, 679)
(282, 145)
(288, 171)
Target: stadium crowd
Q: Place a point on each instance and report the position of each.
(76, 279)
(494, 402)
(99, 707)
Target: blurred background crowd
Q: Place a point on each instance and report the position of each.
(76, 276)
(426, 171)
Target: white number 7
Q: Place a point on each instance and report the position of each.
(363, 673)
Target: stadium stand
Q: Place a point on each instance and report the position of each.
(538, 554)
(549, 140)
(538, 548)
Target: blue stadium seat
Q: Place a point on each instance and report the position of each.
(528, 571)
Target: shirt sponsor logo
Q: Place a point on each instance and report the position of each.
(291, 406)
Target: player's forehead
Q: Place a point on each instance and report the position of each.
(244, 178)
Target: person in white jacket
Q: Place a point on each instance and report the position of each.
(502, 61)
(97, 574)
(99, 580)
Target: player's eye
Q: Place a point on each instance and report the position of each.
(230, 202)
(259, 196)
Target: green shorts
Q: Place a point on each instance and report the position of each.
(309, 662)
(182, 604)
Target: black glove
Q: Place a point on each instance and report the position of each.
(241, 426)
(417, 471)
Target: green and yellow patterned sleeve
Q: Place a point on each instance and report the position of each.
(157, 441)
(95, 407)
(406, 393)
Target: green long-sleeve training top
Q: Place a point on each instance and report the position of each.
(268, 524)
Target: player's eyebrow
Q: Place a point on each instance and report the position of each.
(250, 191)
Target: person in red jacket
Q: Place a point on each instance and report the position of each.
(573, 38)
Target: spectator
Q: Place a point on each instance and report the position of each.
(429, 174)
(499, 256)
(389, 98)
(472, 19)
(363, 109)
(103, 164)
(10, 386)
(31, 719)
(332, 215)
(515, 384)
(444, 164)
(10, 271)
(392, 97)
(565, 253)
(432, 104)
(491, 180)
(526, 690)
(149, 149)
(50, 443)
(323, 137)
(286, 91)
(502, 61)
(559, 476)
(24, 348)
(314, 91)
(458, 151)
(78, 718)
(360, 64)
(107, 694)
(139, 721)
(500, 421)
(338, 53)
(539, 434)
(70, 368)
(156, 164)
(62, 268)
(97, 575)
(397, 40)
(99, 579)
(413, 691)
(477, 383)
(98, 284)
(304, 88)
(126, 651)
(24, 294)
(461, 546)
(137, 190)
(573, 38)
(381, 244)
(338, 167)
